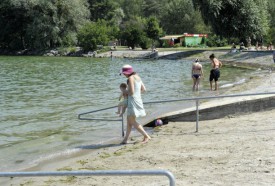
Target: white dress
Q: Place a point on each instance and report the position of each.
(135, 104)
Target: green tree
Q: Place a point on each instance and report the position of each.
(153, 29)
(235, 18)
(153, 8)
(180, 17)
(55, 21)
(39, 24)
(93, 34)
(271, 32)
(14, 19)
(132, 8)
(102, 9)
(133, 32)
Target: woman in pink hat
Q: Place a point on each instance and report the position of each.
(135, 104)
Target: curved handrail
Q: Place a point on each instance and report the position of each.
(173, 100)
(166, 173)
(99, 119)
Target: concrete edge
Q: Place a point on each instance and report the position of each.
(237, 108)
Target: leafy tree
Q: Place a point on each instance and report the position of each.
(132, 9)
(144, 42)
(102, 9)
(153, 8)
(153, 29)
(93, 34)
(216, 41)
(271, 32)
(235, 18)
(133, 32)
(271, 10)
(180, 17)
(14, 19)
(39, 24)
(54, 21)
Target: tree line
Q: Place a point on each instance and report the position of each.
(43, 24)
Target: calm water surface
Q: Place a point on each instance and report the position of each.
(42, 96)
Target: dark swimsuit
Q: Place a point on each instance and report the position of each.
(196, 76)
(214, 74)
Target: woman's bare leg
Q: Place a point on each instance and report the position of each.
(198, 83)
(128, 131)
(194, 83)
(139, 128)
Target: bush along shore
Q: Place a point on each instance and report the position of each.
(71, 51)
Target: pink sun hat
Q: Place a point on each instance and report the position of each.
(127, 70)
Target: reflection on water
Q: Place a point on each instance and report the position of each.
(42, 96)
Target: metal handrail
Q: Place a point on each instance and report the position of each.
(79, 115)
(197, 99)
(103, 119)
(95, 173)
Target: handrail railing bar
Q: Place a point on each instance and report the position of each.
(96, 110)
(98, 119)
(96, 173)
(184, 99)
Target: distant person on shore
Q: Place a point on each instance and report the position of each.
(269, 46)
(242, 47)
(274, 56)
(233, 48)
(196, 74)
(123, 98)
(215, 71)
(114, 45)
(135, 104)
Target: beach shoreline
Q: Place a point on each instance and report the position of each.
(235, 150)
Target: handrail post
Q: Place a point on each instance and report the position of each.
(197, 115)
(122, 126)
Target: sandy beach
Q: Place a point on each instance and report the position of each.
(234, 150)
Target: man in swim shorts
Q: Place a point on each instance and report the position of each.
(215, 71)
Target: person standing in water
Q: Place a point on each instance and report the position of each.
(135, 107)
(196, 74)
(215, 71)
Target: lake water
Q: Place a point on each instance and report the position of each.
(41, 98)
